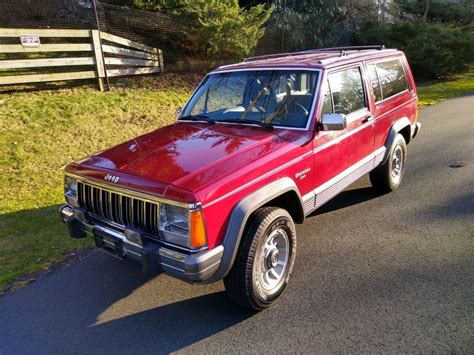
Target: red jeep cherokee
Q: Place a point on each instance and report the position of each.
(259, 146)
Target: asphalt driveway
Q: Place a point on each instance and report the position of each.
(392, 273)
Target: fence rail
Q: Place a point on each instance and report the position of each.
(108, 55)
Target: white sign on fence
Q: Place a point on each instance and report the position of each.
(30, 41)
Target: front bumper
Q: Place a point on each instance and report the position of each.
(154, 257)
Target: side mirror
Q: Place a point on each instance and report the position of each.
(333, 122)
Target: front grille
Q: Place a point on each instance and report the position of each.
(125, 210)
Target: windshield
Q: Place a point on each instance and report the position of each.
(270, 97)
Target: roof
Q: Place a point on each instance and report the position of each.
(316, 58)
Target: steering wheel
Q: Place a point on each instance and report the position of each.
(302, 108)
(297, 105)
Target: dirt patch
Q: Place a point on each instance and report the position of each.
(70, 259)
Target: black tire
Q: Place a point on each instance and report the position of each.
(383, 178)
(244, 283)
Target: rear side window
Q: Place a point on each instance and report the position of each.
(391, 77)
(345, 92)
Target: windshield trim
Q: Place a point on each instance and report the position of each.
(313, 105)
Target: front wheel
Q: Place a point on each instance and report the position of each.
(265, 259)
(388, 176)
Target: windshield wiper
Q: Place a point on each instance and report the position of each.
(258, 123)
(197, 118)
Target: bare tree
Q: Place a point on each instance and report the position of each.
(428, 4)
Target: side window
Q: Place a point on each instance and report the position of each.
(347, 91)
(327, 101)
(375, 83)
(392, 77)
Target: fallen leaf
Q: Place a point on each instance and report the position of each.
(458, 164)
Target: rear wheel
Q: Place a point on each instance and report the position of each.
(388, 176)
(265, 259)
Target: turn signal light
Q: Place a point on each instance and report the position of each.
(197, 230)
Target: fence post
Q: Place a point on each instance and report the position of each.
(99, 58)
(159, 58)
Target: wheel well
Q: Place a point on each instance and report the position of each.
(406, 133)
(291, 202)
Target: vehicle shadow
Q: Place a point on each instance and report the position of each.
(346, 199)
(86, 308)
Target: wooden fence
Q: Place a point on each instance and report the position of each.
(108, 56)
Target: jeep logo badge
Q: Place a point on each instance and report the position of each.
(111, 178)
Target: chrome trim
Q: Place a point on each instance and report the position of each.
(135, 214)
(116, 234)
(335, 185)
(67, 212)
(110, 204)
(150, 227)
(127, 251)
(101, 204)
(203, 270)
(91, 198)
(121, 219)
(171, 267)
(333, 122)
(180, 247)
(348, 171)
(154, 238)
(309, 202)
(172, 254)
(133, 193)
(300, 68)
(191, 267)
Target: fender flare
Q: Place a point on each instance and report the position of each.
(402, 123)
(240, 215)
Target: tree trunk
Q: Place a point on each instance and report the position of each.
(427, 9)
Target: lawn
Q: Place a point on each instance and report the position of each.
(433, 92)
(41, 131)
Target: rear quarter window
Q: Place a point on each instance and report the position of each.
(391, 77)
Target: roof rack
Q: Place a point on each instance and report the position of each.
(342, 51)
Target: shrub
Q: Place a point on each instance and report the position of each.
(308, 24)
(214, 29)
(219, 29)
(433, 49)
(461, 13)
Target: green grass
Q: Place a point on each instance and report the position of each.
(42, 131)
(433, 92)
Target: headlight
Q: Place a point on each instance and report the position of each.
(176, 217)
(182, 227)
(70, 191)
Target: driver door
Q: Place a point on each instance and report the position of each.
(340, 156)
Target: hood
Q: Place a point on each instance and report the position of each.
(175, 153)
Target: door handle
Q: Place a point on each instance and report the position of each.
(368, 119)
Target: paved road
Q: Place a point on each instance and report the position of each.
(392, 273)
